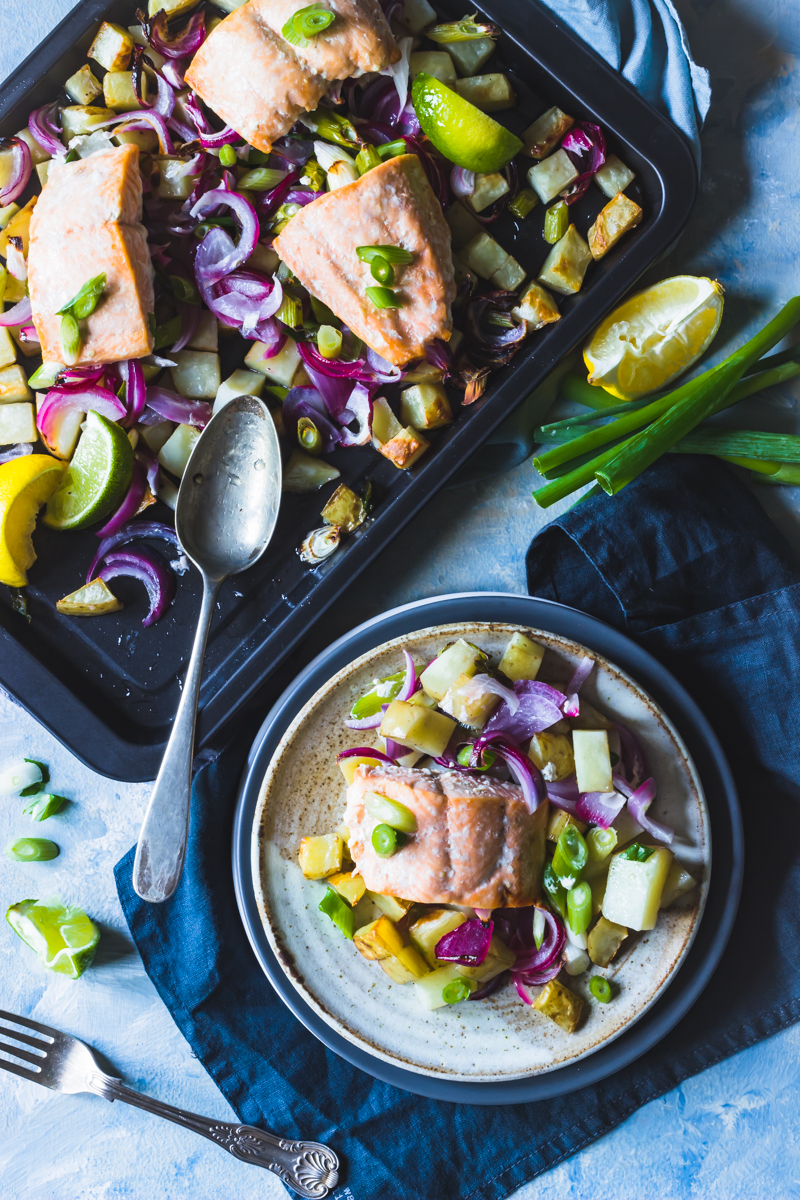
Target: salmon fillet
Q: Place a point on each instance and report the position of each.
(88, 221)
(476, 843)
(259, 83)
(393, 204)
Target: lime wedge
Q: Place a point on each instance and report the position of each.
(63, 938)
(459, 130)
(97, 478)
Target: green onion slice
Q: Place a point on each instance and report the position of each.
(390, 812)
(183, 289)
(85, 302)
(637, 853)
(457, 990)
(381, 270)
(329, 342)
(390, 254)
(43, 805)
(600, 988)
(307, 23)
(579, 907)
(391, 149)
(339, 912)
(466, 30)
(384, 297)
(70, 337)
(570, 856)
(384, 840)
(260, 179)
(309, 436)
(33, 850)
(290, 312)
(227, 156)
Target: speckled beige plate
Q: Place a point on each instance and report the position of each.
(496, 1039)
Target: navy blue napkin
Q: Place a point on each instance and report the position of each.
(686, 562)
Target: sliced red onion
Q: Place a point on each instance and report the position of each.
(307, 402)
(293, 150)
(89, 399)
(565, 803)
(45, 131)
(580, 675)
(20, 173)
(164, 102)
(478, 685)
(439, 354)
(130, 505)
(359, 408)
(585, 145)
(638, 804)
(466, 945)
(366, 722)
(363, 752)
(539, 708)
(394, 749)
(21, 450)
(400, 70)
(489, 988)
(148, 567)
(135, 389)
(485, 914)
(566, 788)
(621, 785)
(211, 267)
(600, 808)
(215, 141)
(523, 943)
(409, 685)
(190, 319)
(185, 43)
(145, 117)
(495, 344)
(572, 706)
(633, 756)
(173, 71)
(172, 407)
(525, 773)
(246, 300)
(27, 333)
(185, 134)
(20, 314)
(533, 979)
(462, 182)
(302, 196)
(15, 259)
(385, 372)
(131, 532)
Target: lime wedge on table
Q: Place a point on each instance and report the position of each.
(96, 479)
(62, 936)
(459, 130)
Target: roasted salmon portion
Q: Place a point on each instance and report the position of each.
(88, 221)
(259, 83)
(393, 204)
(476, 843)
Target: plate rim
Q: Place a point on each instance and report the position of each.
(713, 769)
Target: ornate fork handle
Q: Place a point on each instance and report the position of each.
(309, 1167)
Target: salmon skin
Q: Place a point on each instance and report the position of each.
(476, 844)
(393, 204)
(88, 221)
(259, 83)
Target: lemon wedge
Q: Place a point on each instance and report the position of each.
(25, 485)
(62, 936)
(654, 336)
(92, 600)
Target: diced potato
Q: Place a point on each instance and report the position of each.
(345, 509)
(78, 120)
(196, 374)
(348, 766)
(553, 755)
(473, 711)
(429, 989)
(498, 959)
(19, 226)
(119, 92)
(145, 139)
(17, 424)
(9, 211)
(240, 383)
(558, 821)
(488, 188)
(281, 368)
(82, 87)
(536, 307)
(437, 63)
(390, 906)
(428, 931)
(565, 265)
(229, 6)
(633, 889)
(112, 46)
(613, 176)
(489, 93)
(405, 448)
(425, 406)
(38, 152)
(618, 217)
(43, 170)
(522, 658)
(174, 183)
(8, 351)
(206, 337)
(29, 348)
(510, 276)
(418, 728)
(398, 972)
(469, 57)
(626, 827)
(172, 8)
(321, 856)
(546, 132)
(349, 886)
(604, 941)
(379, 939)
(590, 718)
(592, 760)
(463, 225)
(484, 255)
(677, 883)
(14, 385)
(418, 14)
(14, 290)
(560, 1005)
(304, 473)
(552, 176)
(157, 435)
(385, 424)
(422, 372)
(92, 600)
(461, 273)
(459, 659)
(263, 259)
(177, 450)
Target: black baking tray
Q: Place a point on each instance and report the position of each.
(107, 688)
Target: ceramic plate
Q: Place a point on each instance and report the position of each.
(499, 1039)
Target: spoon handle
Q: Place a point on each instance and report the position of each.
(162, 841)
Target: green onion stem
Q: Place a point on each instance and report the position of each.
(742, 443)
(384, 297)
(391, 254)
(33, 850)
(309, 436)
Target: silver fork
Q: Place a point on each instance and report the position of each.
(65, 1064)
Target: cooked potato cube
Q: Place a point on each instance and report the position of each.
(398, 972)
(172, 8)
(633, 889)
(425, 406)
(463, 225)
(92, 600)
(459, 659)
(112, 47)
(14, 386)
(345, 509)
(488, 188)
(145, 139)
(509, 277)
(281, 368)
(8, 351)
(461, 273)
(119, 92)
(430, 989)
(19, 226)
(240, 383)
(174, 183)
(304, 473)
(591, 718)
(565, 265)
(604, 941)
(7, 212)
(157, 435)
(263, 259)
(229, 6)
(552, 176)
(385, 424)
(196, 374)
(43, 170)
(536, 307)
(206, 337)
(489, 93)
(348, 766)
(390, 906)
(613, 176)
(522, 658)
(82, 87)
(553, 755)
(14, 290)
(18, 424)
(79, 120)
(484, 255)
(177, 450)
(422, 372)
(417, 727)
(379, 939)
(560, 1005)
(437, 63)
(321, 856)
(546, 132)
(38, 152)
(418, 14)
(428, 931)
(558, 821)
(469, 57)
(471, 710)
(618, 217)
(625, 827)
(592, 760)
(349, 886)
(677, 883)
(405, 448)
(498, 959)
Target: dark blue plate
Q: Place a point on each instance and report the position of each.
(720, 791)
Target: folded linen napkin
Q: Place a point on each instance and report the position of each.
(685, 561)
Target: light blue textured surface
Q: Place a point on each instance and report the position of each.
(730, 1132)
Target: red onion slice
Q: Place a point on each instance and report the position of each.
(462, 182)
(145, 117)
(129, 506)
(185, 43)
(164, 103)
(638, 804)
(526, 774)
(363, 752)
(366, 722)
(600, 808)
(385, 372)
(478, 685)
(20, 172)
(20, 314)
(211, 271)
(409, 685)
(466, 945)
(539, 708)
(171, 407)
(131, 532)
(572, 706)
(148, 567)
(21, 450)
(529, 958)
(45, 131)
(88, 399)
(190, 319)
(566, 803)
(633, 756)
(580, 675)
(135, 389)
(359, 408)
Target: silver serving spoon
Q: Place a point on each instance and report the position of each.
(225, 517)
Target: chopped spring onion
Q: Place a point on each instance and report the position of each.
(579, 907)
(331, 127)
(183, 289)
(464, 758)
(227, 156)
(260, 179)
(84, 304)
(523, 203)
(457, 990)
(43, 805)
(570, 856)
(309, 436)
(539, 927)
(307, 23)
(600, 988)
(556, 892)
(70, 337)
(290, 312)
(168, 333)
(384, 840)
(556, 222)
(384, 691)
(322, 313)
(20, 775)
(339, 912)
(367, 158)
(381, 270)
(384, 297)
(390, 254)
(391, 149)
(636, 852)
(600, 843)
(33, 850)
(466, 30)
(329, 341)
(390, 812)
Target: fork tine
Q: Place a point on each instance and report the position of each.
(26, 1021)
(25, 1055)
(37, 1043)
(17, 1070)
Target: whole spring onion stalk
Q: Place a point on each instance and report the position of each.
(742, 443)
